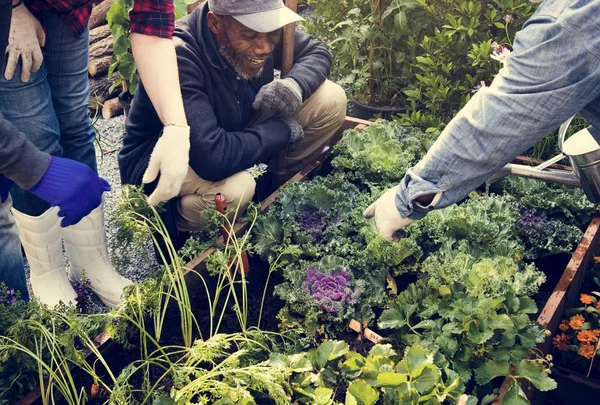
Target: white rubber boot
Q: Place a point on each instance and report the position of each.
(41, 239)
(85, 243)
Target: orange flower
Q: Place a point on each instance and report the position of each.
(587, 351)
(560, 341)
(598, 305)
(564, 325)
(576, 321)
(586, 336)
(596, 332)
(586, 299)
(597, 259)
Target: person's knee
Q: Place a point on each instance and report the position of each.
(333, 100)
(239, 191)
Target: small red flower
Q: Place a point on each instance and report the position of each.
(560, 341)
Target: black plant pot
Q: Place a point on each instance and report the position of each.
(125, 98)
(366, 112)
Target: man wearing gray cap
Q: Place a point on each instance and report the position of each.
(239, 114)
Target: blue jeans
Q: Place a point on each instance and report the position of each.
(52, 108)
(12, 272)
(552, 74)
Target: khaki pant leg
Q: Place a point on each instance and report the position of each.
(320, 116)
(198, 194)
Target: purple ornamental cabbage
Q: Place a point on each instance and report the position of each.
(313, 223)
(532, 222)
(331, 291)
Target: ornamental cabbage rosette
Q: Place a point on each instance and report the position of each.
(333, 291)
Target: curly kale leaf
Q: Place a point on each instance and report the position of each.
(481, 275)
(488, 222)
(543, 236)
(380, 153)
(558, 201)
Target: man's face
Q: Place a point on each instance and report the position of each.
(245, 50)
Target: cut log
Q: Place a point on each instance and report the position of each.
(99, 66)
(99, 33)
(102, 48)
(111, 108)
(98, 16)
(100, 88)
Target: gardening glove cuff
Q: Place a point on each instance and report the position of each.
(296, 130)
(170, 157)
(73, 187)
(387, 217)
(280, 97)
(25, 42)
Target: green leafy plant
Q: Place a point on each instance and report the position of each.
(380, 154)
(473, 333)
(382, 376)
(122, 57)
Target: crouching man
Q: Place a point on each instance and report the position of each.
(238, 114)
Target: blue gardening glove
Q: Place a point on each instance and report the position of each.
(5, 185)
(73, 187)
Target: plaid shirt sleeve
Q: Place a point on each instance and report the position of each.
(76, 13)
(153, 17)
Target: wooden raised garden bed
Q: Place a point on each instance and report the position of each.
(563, 294)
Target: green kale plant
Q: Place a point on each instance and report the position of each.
(543, 236)
(380, 154)
(482, 276)
(568, 204)
(487, 223)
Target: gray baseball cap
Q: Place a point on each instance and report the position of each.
(258, 15)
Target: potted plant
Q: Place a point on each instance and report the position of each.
(577, 345)
(424, 57)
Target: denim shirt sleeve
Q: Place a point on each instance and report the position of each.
(553, 73)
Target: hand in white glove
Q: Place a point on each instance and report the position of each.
(25, 42)
(387, 217)
(170, 157)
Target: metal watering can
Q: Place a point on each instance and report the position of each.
(583, 152)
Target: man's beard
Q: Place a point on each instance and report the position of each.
(235, 63)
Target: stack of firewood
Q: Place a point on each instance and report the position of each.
(102, 99)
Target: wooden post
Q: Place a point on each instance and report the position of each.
(289, 35)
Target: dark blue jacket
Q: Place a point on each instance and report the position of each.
(221, 145)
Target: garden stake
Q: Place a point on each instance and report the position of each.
(280, 175)
(368, 333)
(221, 204)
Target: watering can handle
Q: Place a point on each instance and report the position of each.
(562, 132)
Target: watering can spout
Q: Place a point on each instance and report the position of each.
(583, 151)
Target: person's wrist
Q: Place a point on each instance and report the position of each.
(295, 86)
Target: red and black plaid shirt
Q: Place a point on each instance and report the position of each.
(149, 17)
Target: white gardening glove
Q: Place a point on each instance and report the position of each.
(25, 42)
(387, 217)
(170, 157)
